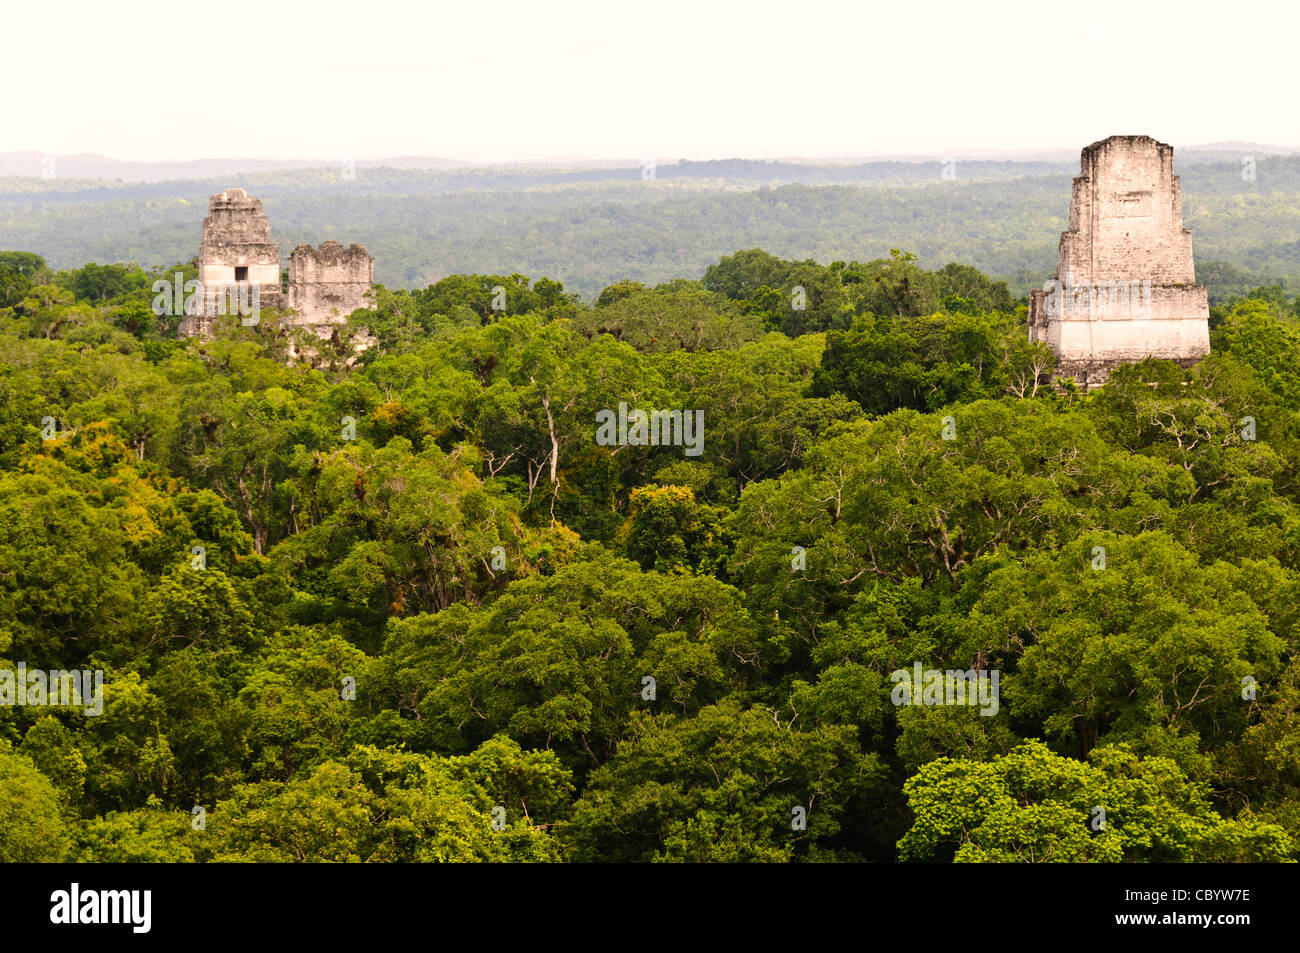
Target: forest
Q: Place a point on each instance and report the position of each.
(592, 227)
(405, 607)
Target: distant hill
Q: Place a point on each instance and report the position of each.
(591, 226)
(1229, 152)
(89, 166)
(893, 168)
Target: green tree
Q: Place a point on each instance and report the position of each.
(723, 786)
(32, 829)
(1033, 806)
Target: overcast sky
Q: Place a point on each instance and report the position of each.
(498, 80)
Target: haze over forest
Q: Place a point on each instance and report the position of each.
(590, 223)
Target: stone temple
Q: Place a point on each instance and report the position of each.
(1125, 285)
(324, 287)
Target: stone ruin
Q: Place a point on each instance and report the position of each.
(236, 252)
(1125, 285)
(326, 286)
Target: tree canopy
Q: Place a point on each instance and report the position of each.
(411, 608)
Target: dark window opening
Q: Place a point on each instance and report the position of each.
(241, 272)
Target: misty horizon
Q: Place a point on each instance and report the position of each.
(1051, 152)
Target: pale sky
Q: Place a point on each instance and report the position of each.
(500, 80)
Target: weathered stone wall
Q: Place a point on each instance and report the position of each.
(329, 283)
(1125, 226)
